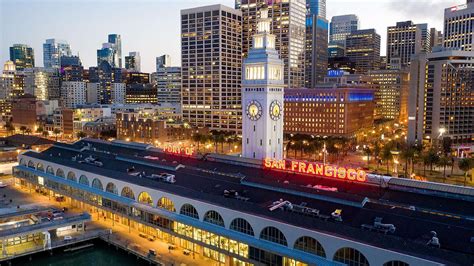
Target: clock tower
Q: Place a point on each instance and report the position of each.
(262, 96)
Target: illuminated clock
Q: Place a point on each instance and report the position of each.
(254, 110)
(275, 110)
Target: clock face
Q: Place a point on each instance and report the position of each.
(254, 110)
(275, 110)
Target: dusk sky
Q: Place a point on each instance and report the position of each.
(151, 27)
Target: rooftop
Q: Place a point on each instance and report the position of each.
(204, 179)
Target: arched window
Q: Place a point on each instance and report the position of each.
(71, 176)
(310, 245)
(274, 235)
(214, 217)
(111, 188)
(127, 193)
(189, 210)
(351, 257)
(22, 162)
(241, 225)
(166, 204)
(31, 164)
(40, 167)
(145, 198)
(83, 180)
(50, 170)
(60, 173)
(396, 263)
(97, 184)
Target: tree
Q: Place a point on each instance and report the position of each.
(10, 128)
(432, 158)
(407, 154)
(28, 131)
(443, 162)
(387, 156)
(81, 134)
(465, 165)
(45, 133)
(197, 138)
(368, 151)
(23, 129)
(39, 130)
(56, 132)
(447, 145)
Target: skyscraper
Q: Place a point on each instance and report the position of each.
(133, 61)
(406, 39)
(168, 82)
(103, 77)
(262, 96)
(288, 25)
(53, 49)
(11, 82)
(436, 38)
(111, 51)
(163, 61)
(44, 83)
(116, 41)
(441, 100)
(341, 26)
(23, 56)
(211, 61)
(316, 44)
(458, 26)
(363, 48)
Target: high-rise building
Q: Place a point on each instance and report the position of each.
(53, 50)
(119, 90)
(140, 93)
(116, 41)
(72, 60)
(316, 43)
(73, 93)
(336, 50)
(111, 51)
(211, 61)
(441, 99)
(163, 61)
(458, 26)
(133, 61)
(341, 27)
(262, 96)
(168, 82)
(391, 93)
(363, 48)
(104, 75)
(44, 83)
(406, 39)
(11, 82)
(288, 25)
(436, 38)
(23, 56)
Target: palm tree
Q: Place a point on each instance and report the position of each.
(433, 158)
(28, 131)
(465, 165)
(39, 130)
(368, 151)
(56, 132)
(408, 154)
(443, 162)
(45, 133)
(23, 129)
(197, 138)
(387, 156)
(81, 134)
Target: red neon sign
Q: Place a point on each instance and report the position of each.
(312, 168)
(189, 151)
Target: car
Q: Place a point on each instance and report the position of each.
(67, 238)
(2, 185)
(186, 252)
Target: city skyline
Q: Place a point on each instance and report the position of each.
(150, 30)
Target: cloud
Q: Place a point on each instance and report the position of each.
(421, 9)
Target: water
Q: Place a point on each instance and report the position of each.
(100, 254)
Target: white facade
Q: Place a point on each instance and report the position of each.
(53, 49)
(42, 83)
(73, 93)
(118, 93)
(262, 96)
